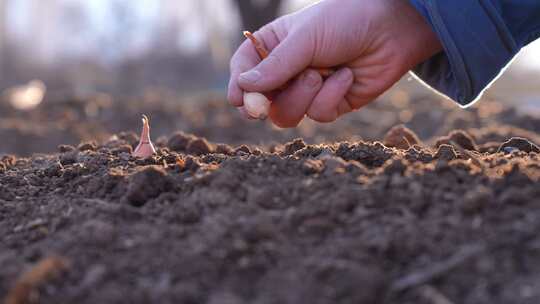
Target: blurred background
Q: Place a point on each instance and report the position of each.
(95, 56)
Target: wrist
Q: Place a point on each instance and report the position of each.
(414, 35)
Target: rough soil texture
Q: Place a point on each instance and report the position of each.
(452, 217)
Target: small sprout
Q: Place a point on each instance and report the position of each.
(145, 148)
(256, 105)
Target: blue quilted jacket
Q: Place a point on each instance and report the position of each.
(480, 38)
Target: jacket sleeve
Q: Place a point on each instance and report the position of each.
(480, 38)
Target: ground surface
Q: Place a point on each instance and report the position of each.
(441, 218)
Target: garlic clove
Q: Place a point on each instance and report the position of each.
(256, 105)
(145, 148)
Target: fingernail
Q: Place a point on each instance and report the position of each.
(344, 75)
(251, 76)
(311, 79)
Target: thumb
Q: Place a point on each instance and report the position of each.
(292, 56)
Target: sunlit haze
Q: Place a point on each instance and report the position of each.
(52, 39)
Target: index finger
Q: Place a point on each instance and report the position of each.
(246, 58)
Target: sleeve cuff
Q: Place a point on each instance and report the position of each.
(477, 47)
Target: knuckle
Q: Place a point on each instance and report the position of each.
(312, 80)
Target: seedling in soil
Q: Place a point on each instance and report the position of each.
(257, 105)
(145, 148)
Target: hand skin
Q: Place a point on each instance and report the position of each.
(371, 43)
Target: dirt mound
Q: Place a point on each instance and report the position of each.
(349, 222)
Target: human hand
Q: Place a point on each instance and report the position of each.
(372, 44)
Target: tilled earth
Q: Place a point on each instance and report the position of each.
(450, 219)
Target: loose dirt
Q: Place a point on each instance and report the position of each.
(250, 215)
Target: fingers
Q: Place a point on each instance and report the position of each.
(246, 58)
(344, 107)
(289, 107)
(290, 57)
(360, 95)
(330, 102)
(234, 93)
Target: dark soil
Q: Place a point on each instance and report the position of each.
(452, 216)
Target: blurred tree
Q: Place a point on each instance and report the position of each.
(2, 37)
(256, 13)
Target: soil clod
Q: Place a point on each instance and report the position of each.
(147, 183)
(460, 137)
(179, 141)
(294, 146)
(519, 143)
(446, 152)
(66, 148)
(401, 137)
(199, 146)
(87, 146)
